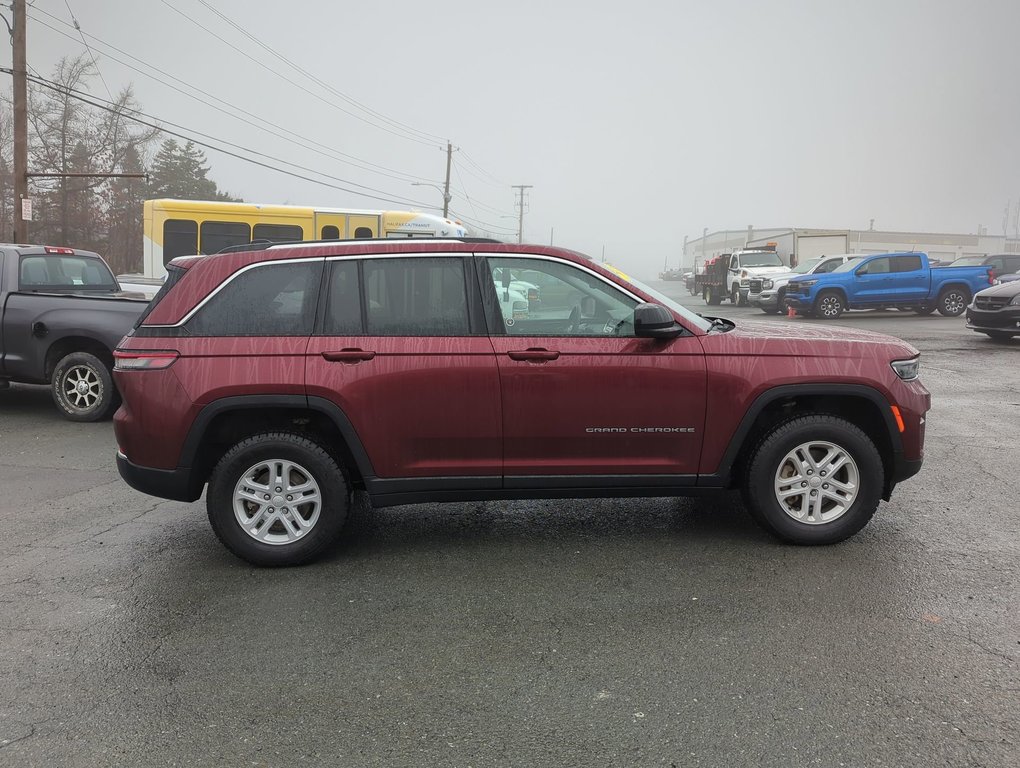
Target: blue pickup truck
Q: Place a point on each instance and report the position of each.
(902, 280)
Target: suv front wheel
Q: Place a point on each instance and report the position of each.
(816, 479)
(277, 499)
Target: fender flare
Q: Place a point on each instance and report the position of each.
(722, 475)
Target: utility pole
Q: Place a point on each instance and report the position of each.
(446, 188)
(22, 203)
(520, 205)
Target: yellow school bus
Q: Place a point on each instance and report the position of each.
(175, 228)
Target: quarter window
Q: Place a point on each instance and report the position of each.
(416, 297)
(271, 300)
(217, 235)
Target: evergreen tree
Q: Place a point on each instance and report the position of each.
(182, 173)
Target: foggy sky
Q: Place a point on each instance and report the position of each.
(637, 122)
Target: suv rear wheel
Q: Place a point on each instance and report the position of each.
(816, 479)
(277, 499)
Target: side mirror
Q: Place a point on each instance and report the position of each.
(653, 321)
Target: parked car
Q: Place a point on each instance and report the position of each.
(769, 293)
(286, 377)
(901, 280)
(63, 312)
(999, 263)
(995, 311)
(1009, 278)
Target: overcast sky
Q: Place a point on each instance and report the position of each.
(637, 122)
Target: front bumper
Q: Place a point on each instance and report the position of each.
(181, 484)
(1005, 320)
(765, 299)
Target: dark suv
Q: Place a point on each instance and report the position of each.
(448, 370)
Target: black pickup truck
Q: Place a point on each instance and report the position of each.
(62, 313)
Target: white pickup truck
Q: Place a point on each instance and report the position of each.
(745, 265)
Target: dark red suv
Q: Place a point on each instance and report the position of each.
(447, 370)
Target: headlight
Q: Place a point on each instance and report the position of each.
(1016, 299)
(766, 283)
(743, 273)
(806, 283)
(907, 369)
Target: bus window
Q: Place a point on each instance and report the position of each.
(277, 233)
(330, 232)
(217, 235)
(180, 238)
(361, 232)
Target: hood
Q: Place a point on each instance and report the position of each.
(1010, 289)
(765, 270)
(806, 339)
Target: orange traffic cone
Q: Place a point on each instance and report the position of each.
(791, 312)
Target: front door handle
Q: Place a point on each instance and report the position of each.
(533, 354)
(348, 356)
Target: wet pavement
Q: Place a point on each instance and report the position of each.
(617, 632)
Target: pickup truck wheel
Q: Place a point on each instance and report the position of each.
(736, 297)
(711, 297)
(952, 302)
(82, 388)
(829, 305)
(277, 499)
(815, 479)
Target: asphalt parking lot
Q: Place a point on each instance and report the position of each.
(553, 633)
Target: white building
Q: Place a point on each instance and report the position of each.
(795, 244)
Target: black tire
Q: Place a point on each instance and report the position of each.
(953, 301)
(313, 463)
(82, 388)
(781, 301)
(829, 305)
(768, 459)
(711, 297)
(737, 298)
(925, 309)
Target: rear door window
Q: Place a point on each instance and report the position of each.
(906, 263)
(270, 300)
(416, 297)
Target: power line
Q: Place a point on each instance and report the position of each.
(244, 116)
(310, 92)
(463, 192)
(123, 111)
(95, 63)
(491, 179)
(317, 80)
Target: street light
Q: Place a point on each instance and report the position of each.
(447, 197)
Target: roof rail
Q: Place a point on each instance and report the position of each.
(262, 245)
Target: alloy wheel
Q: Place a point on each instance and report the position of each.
(817, 482)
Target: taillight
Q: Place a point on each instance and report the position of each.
(143, 361)
(991, 276)
(532, 294)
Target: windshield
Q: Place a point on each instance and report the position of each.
(763, 259)
(847, 266)
(804, 267)
(694, 319)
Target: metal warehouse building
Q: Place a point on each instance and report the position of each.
(796, 244)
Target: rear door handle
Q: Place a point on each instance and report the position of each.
(348, 356)
(534, 355)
